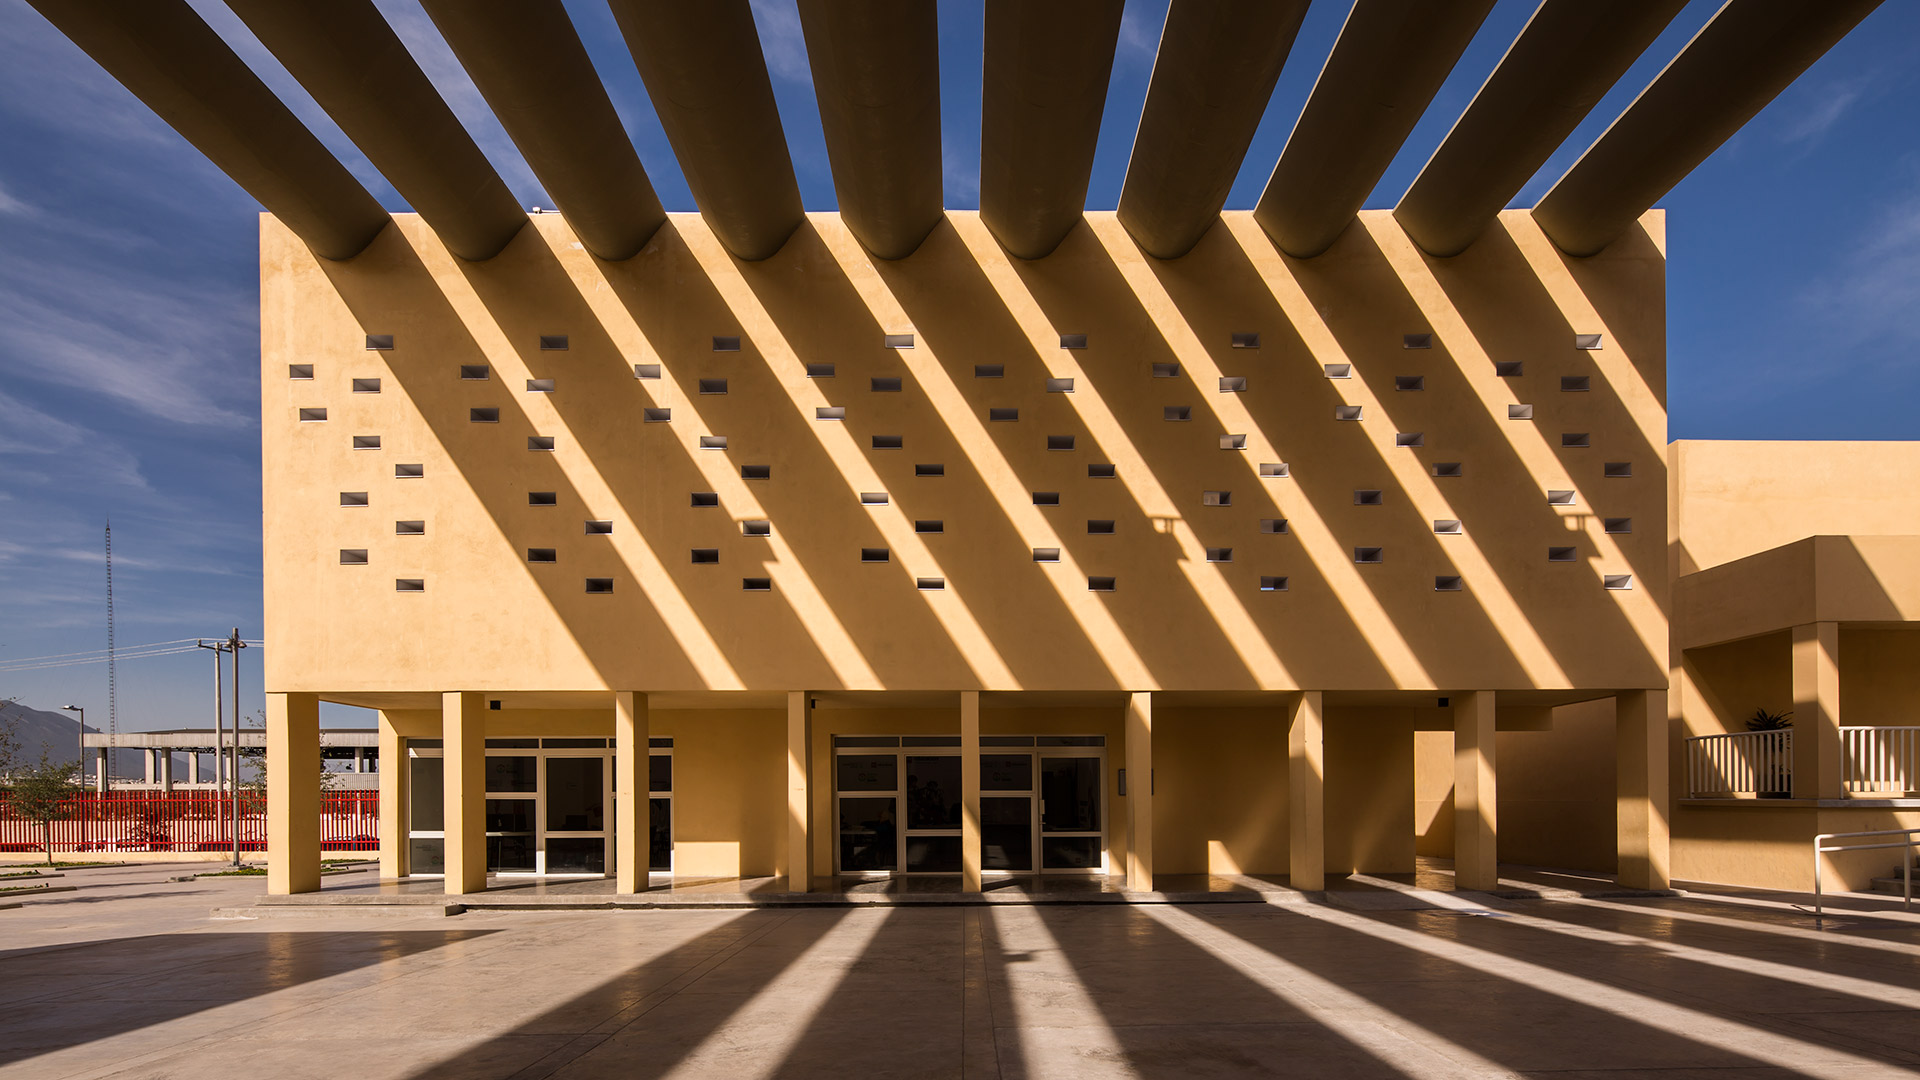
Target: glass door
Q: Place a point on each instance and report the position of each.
(867, 790)
(1072, 808)
(660, 806)
(1006, 812)
(513, 793)
(574, 820)
(933, 814)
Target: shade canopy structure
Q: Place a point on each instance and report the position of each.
(875, 71)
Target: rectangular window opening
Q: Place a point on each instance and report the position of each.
(1219, 554)
(1099, 528)
(726, 344)
(540, 442)
(409, 472)
(366, 386)
(1216, 498)
(930, 526)
(1233, 442)
(1166, 371)
(898, 341)
(874, 498)
(543, 498)
(1448, 468)
(1556, 497)
(888, 442)
(1348, 412)
(1273, 526)
(598, 528)
(1519, 412)
(1410, 438)
(299, 371)
(409, 584)
(1338, 371)
(756, 527)
(553, 343)
(1275, 469)
(930, 584)
(1447, 583)
(1618, 470)
(1617, 581)
(1576, 440)
(1416, 341)
(1561, 554)
(1073, 341)
(704, 499)
(713, 442)
(1576, 384)
(1059, 386)
(1369, 497)
(705, 556)
(646, 371)
(1617, 525)
(656, 415)
(1177, 413)
(409, 528)
(539, 386)
(1046, 554)
(313, 416)
(1369, 555)
(1446, 527)
(542, 555)
(366, 442)
(353, 556)
(599, 584)
(1270, 583)
(989, 371)
(1003, 415)
(353, 498)
(1100, 584)
(713, 386)
(929, 470)
(875, 555)
(1246, 340)
(1233, 384)
(756, 584)
(379, 342)
(1509, 369)
(483, 416)
(885, 385)
(1059, 442)
(1586, 341)
(756, 472)
(830, 412)
(1103, 471)
(1409, 382)
(1046, 498)
(819, 371)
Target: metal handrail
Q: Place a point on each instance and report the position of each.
(1906, 864)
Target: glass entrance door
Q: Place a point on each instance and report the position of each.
(1072, 807)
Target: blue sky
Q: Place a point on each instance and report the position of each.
(129, 293)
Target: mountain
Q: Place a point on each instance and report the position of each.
(59, 735)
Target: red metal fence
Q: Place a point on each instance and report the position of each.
(185, 821)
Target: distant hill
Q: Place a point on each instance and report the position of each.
(59, 735)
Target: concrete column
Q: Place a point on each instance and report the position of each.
(166, 770)
(359, 759)
(970, 854)
(293, 793)
(395, 798)
(1475, 827)
(1640, 808)
(1816, 711)
(631, 800)
(798, 863)
(1139, 792)
(147, 761)
(463, 722)
(100, 768)
(1307, 792)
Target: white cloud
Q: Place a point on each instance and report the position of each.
(785, 46)
(1874, 291)
(1818, 109)
(31, 433)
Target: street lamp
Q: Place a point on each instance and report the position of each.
(82, 763)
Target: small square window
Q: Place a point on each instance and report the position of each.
(1557, 497)
(366, 442)
(706, 499)
(874, 498)
(475, 372)
(1246, 340)
(1448, 469)
(353, 498)
(1274, 526)
(706, 556)
(756, 584)
(930, 527)
(1100, 584)
(652, 415)
(409, 584)
(409, 528)
(1073, 341)
(483, 416)
(1233, 384)
(1099, 528)
(598, 528)
(756, 527)
(875, 555)
(1447, 527)
(379, 342)
(1617, 525)
(1176, 412)
(930, 584)
(599, 584)
(1368, 555)
(543, 555)
(1410, 438)
(299, 371)
(1348, 412)
(830, 412)
(1275, 469)
(409, 472)
(1337, 371)
(1273, 584)
(1219, 554)
(1216, 498)
(1575, 384)
(1519, 412)
(1618, 470)
(1416, 341)
(1003, 415)
(1616, 581)
(989, 371)
(543, 498)
(1509, 369)
(1166, 371)
(313, 416)
(366, 386)
(1447, 583)
(1562, 554)
(885, 386)
(888, 442)
(713, 386)
(713, 442)
(1059, 442)
(726, 344)
(756, 472)
(1369, 497)
(646, 371)
(353, 556)
(929, 470)
(1046, 554)
(553, 343)
(819, 371)
(1059, 386)
(540, 442)
(1576, 440)
(1046, 498)
(1103, 471)
(1233, 442)
(1409, 382)
(1586, 341)
(898, 341)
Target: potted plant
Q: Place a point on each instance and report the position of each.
(1781, 786)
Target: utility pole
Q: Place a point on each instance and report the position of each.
(234, 645)
(219, 733)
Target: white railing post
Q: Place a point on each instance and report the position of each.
(1740, 763)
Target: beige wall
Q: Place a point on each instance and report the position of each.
(1370, 786)
(1731, 499)
(1221, 797)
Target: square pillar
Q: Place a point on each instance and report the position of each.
(1307, 792)
(1139, 792)
(147, 760)
(799, 854)
(1816, 711)
(166, 770)
(100, 769)
(463, 735)
(359, 759)
(293, 793)
(395, 798)
(1475, 795)
(632, 798)
(1640, 806)
(970, 854)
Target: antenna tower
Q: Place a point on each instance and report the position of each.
(113, 713)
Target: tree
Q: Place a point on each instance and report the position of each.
(42, 794)
(9, 737)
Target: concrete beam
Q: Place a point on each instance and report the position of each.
(173, 62)
(708, 81)
(1739, 62)
(1043, 90)
(876, 75)
(1568, 56)
(527, 61)
(1389, 61)
(355, 66)
(1215, 70)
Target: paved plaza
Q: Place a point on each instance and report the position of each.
(127, 976)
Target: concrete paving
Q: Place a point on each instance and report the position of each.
(129, 977)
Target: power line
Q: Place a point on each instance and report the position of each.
(92, 652)
(5, 668)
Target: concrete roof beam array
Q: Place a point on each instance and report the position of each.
(527, 61)
(173, 62)
(1215, 71)
(876, 76)
(1568, 57)
(708, 81)
(1390, 59)
(1043, 90)
(1741, 60)
(346, 56)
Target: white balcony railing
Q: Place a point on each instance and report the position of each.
(1750, 763)
(1880, 760)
